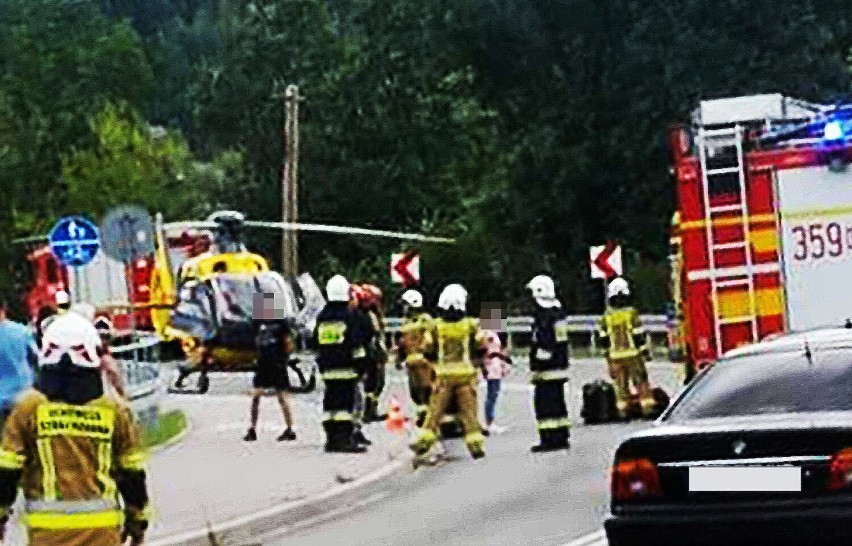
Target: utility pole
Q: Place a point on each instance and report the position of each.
(290, 180)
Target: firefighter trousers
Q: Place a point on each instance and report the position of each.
(374, 384)
(421, 377)
(627, 373)
(551, 412)
(339, 406)
(463, 389)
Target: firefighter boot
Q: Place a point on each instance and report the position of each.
(423, 442)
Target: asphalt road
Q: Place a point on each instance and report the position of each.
(511, 497)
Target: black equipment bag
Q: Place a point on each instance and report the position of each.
(598, 403)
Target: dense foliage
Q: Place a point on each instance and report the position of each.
(528, 130)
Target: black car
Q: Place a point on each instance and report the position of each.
(757, 449)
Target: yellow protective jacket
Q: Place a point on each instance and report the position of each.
(621, 331)
(452, 343)
(73, 462)
(414, 332)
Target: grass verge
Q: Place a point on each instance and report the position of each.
(168, 426)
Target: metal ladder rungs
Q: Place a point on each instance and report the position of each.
(736, 320)
(732, 282)
(726, 208)
(724, 170)
(729, 246)
(728, 131)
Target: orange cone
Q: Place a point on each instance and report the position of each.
(396, 421)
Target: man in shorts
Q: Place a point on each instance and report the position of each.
(274, 345)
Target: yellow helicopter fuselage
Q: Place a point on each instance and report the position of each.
(202, 268)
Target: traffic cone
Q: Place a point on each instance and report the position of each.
(396, 421)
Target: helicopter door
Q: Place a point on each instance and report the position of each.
(311, 305)
(195, 311)
(234, 300)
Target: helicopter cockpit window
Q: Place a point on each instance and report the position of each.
(235, 297)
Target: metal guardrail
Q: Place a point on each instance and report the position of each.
(656, 327)
(654, 324)
(144, 388)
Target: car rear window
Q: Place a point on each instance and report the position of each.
(772, 383)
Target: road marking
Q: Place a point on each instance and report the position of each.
(320, 518)
(237, 523)
(592, 539)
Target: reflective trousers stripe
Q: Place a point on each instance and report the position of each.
(71, 507)
(57, 522)
(627, 353)
(550, 424)
(549, 375)
(338, 416)
(339, 375)
(455, 371)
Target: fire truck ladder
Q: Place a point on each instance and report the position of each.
(727, 138)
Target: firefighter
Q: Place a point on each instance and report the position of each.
(370, 300)
(421, 374)
(113, 370)
(341, 356)
(63, 304)
(621, 333)
(73, 449)
(452, 340)
(549, 366)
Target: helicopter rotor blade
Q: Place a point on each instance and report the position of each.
(347, 230)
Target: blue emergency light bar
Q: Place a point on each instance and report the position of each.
(833, 130)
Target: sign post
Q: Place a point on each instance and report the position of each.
(128, 234)
(606, 264)
(405, 268)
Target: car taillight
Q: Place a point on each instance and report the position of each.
(840, 472)
(635, 479)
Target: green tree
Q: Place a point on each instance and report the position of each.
(132, 162)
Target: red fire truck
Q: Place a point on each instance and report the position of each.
(101, 283)
(762, 237)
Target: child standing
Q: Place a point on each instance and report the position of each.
(496, 365)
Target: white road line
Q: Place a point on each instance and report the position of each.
(320, 518)
(258, 515)
(597, 538)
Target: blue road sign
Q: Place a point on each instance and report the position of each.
(74, 241)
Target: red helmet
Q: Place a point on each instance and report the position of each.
(367, 295)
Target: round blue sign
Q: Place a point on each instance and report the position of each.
(74, 241)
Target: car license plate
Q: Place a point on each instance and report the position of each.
(745, 479)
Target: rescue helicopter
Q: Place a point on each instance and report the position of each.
(203, 300)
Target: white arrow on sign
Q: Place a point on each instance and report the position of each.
(605, 261)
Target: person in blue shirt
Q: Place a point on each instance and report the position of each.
(18, 359)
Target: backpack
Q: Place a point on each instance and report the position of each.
(598, 403)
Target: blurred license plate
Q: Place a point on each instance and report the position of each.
(745, 479)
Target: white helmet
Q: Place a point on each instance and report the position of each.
(542, 287)
(337, 288)
(62, 298)
(454, 296)
(618, 287)
(73, 335)
(412, 298)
